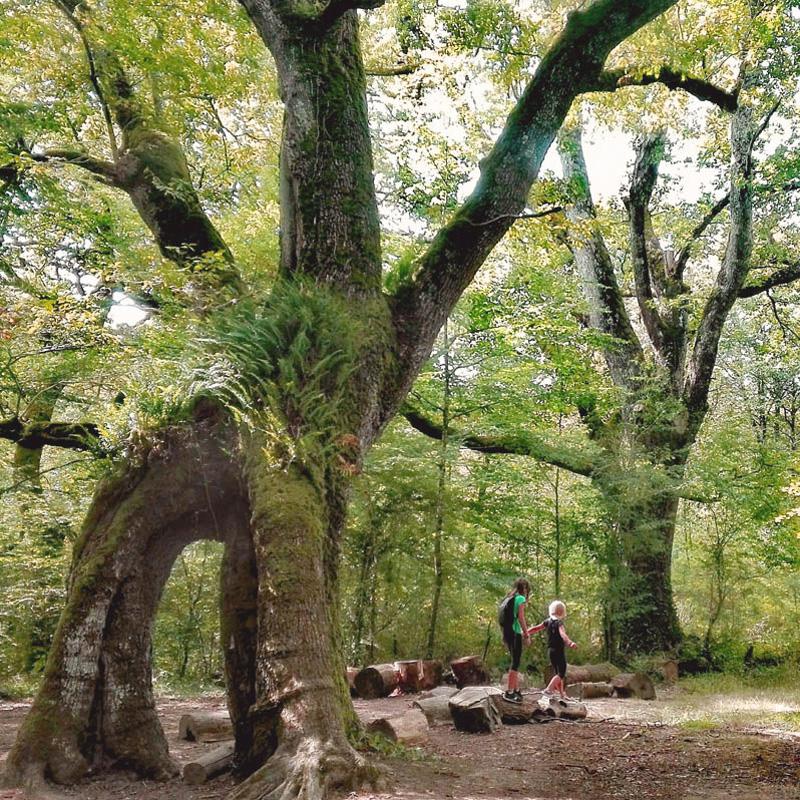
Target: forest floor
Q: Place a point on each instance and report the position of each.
(682, 746)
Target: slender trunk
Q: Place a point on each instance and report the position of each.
(364, 591)
(441, 489)
(557, 514)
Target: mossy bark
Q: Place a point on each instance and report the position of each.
(95, 706)
(303, 711)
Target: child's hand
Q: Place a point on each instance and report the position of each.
(573, 645)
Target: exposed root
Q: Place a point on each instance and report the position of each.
(31, 782)
(308, 770)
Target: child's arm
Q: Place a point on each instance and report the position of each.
(536, 628)
(563, 631)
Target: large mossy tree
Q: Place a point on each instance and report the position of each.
(298, 389)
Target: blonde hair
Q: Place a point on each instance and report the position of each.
(557, 609)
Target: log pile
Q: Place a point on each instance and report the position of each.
(350, 674)
(204, 767)
(205, 727)
(380, 680)
(432, 672)
(469, 671)
(409, 728)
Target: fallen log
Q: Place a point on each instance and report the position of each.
(436, 709)
(590, 691)
(518, 713)
(207, 765)
(378, 680)
(473, 711)
(562, 708)
(205, 727)
(634, 684)
(432, 672)
(410, 728)
(469, 671)
(585, 673)
(410, 675)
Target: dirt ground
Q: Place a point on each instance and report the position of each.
(620, 752)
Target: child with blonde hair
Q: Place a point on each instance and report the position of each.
(557, 641)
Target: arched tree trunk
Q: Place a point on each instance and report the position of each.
(95, 706)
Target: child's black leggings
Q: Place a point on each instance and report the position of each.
(514, 645)
(558, 659)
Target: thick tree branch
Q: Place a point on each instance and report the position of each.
(377, 71)
(607, 312)
(644, 247)
(68, 435)
(571, 66)
(735, 266)
(97, 166)
(613, 79)
(780, 277)
(523, 444)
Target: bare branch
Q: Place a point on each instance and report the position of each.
(68, 435)
(377, 71)
(700, 229)
(780, 277)
(68, 8)
(522, 444)
(613, 79)
(78, 158)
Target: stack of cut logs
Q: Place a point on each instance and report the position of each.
(471, 705)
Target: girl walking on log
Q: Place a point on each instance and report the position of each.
(512, 618)
(557, 640)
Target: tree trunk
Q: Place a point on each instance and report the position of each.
(303, 712)
(95, 706)
(647, 619)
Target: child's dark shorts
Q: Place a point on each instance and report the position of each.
(558, 659)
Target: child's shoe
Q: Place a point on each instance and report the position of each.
(518, 693)
(512, 697)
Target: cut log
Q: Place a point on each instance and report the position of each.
(439, 691)
(436, 709)
(350, 674)
(379, 680)
(410, 728)
(563, 708)
(634, 684)
(205, 727)
(469, 671)
(590, 691)
(432, 672)
(410, 675)
(585, 673)
(669, 671)
(473, 710)
(517, 713)
(207, 765)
